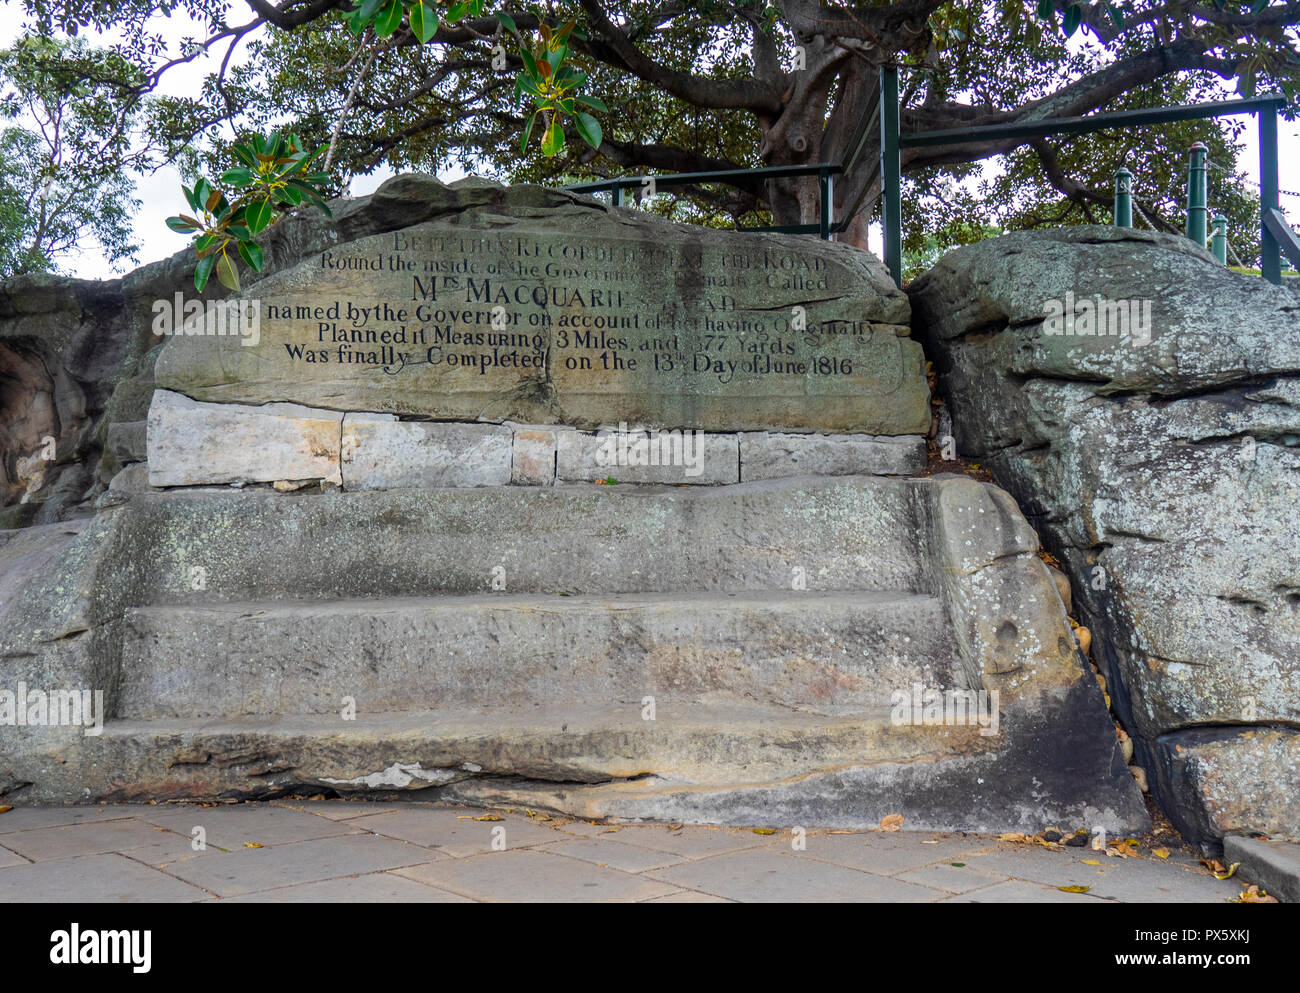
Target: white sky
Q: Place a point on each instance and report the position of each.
(161, 197)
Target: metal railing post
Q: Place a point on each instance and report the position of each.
(616, 195)
(827, 203)
(1270, 252)
(1219, 238)
(1123, 212)
(1197, 195)
(891, 194)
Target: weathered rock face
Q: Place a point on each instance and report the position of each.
(1162, 463)
(62, 355)
(537, 306)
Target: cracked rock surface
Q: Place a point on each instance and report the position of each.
(1163, 467)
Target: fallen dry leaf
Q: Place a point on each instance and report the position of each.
(891, 822)
(1160, 853)
(1091, 862)
(1012, 836)
(1253, 894)
(5, 810)
(1074, 889)
(1229, 872)
(253, 844)
(764, 830)
(484, 817)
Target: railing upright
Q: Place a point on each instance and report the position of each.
(1270, 253)
(891, 193)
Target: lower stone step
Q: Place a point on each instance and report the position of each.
(825, 653)
(732, 762)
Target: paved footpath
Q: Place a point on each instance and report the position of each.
(337, 851)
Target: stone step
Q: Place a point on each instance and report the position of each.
(846, 533)
(690, 744)
(823, 653)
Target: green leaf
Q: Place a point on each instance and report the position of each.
(589, 128)
(595, 103)
(203, 271)
(1258, 6)
(1045, 8)
(456, 12)
(202, 193)
(239, 176)
(1073, 17)
(251, 252)
(368, 8)
(1246, 82)
(389, 19)
(530, 63)
(553, 140)
(226, 274)
(424, 22)
(355, 24)
(290, 195)
(245, 155)
(258, 215)
(507, 22)
(1116, 16)
(528, 133)
(181, 225)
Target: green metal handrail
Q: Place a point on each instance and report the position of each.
(824, 171)
(893, 140)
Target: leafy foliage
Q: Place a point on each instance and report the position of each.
(271, 179)
(65, 163)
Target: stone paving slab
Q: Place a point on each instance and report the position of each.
(452, 830)
(413, 852)
(108, 878)
(232, 827)
(1019, 891)
(536, 877)
(770, 876)
(377, 887)
(22, 818)
(250, 870)
(614, 854)
(96, 838)
(1131, 880)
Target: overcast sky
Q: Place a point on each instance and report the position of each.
(161, 196)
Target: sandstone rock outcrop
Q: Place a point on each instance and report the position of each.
(1161, 462)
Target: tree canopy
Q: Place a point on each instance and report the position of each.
(722, 84)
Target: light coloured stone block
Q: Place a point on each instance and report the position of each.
(533, 456)
(695, 458)
(192, 443)
(383, 455)
(772, 455)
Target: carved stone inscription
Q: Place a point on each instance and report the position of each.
(720, 332)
